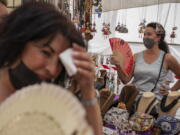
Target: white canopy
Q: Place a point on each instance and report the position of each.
(109, 5)
(99, 44)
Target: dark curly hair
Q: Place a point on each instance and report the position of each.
(160, 31)
(31, 22)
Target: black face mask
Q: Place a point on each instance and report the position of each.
(22, 76)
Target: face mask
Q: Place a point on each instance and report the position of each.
(22, 76)
(148, 43)
(99, 85)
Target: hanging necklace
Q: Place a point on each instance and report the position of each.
(174, 28)
(93, 29)
(149, 105)
(125, 29)
(142, 17)
(170, 106)
(118, 27)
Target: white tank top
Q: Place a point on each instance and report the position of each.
(145, 75)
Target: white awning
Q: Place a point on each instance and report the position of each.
(109, 5)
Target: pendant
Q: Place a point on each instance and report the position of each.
(106, 30)
(141, 29)
(93, 29)
(173, 34)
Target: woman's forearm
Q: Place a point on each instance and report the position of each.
(94, 118)
(124, 77)
(93, 112)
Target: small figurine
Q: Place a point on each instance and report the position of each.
(142, 26)
(106, 30)
(173, 34)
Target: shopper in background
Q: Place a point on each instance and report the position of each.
(148, 62)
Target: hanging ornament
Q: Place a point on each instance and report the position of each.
(106, 26)
(124, 26)
(88, 32)
(98, 10)
(106, 30)
(75, 12)
(124, 29)
(97, 7)
(118, 27)
(142, 18)
(93, 29)
(88, 28)
(96, 2)
(82, 12)
(64, 7)
(174, 28)
(173, 34)
(103, 28)
(142, 26)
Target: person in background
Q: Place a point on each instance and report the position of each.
(31, 39)
(148, 62)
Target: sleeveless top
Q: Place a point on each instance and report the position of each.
(145, 75)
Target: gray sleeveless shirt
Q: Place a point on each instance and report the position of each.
(145, 75)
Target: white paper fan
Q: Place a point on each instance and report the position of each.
(43, 109)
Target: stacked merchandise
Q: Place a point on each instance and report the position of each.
(150, 116)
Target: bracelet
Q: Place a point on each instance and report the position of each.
(90, 102)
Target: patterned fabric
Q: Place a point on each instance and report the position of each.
(149, 132)
(141, 122)
(117, 117)
(169, 125)
(108, 131)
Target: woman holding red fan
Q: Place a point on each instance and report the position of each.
(151, 65)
